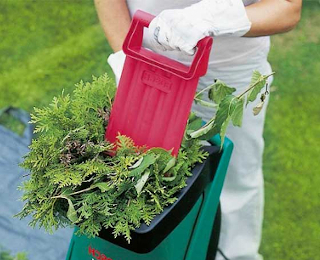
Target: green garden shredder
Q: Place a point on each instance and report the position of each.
(153, 86)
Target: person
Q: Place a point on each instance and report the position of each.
(241, 44)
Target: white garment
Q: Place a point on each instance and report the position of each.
(181, 29)
(226, 52)
(242, 197)
(232, 60)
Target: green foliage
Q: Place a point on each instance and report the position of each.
(75, 180)
(258, 81)
(229, 107)
(12, 123)
(219, 90)
(46, 45)
(291, 165)
(5, 255)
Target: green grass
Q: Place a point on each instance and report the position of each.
(12, 123)
(292, 179)
(6, 255)
(47, 46)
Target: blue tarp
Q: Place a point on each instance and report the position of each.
(15, 234)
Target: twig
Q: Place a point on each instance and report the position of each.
(74, 193)
(201, 91)
(255, 84)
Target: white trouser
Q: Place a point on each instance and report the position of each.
(242, 197)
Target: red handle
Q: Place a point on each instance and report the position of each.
(132, 47)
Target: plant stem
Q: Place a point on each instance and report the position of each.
(74, 193)
(255, 84)
(70, 132)
(201, 91)
(81, 191)
(205, 103)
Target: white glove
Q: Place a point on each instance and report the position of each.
(181, 29)
(116, 62)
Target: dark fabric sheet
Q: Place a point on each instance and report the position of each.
(15, 234)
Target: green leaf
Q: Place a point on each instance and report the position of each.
(171, 178)
(66, 191)
(230, 107)
(258, 81)
(103, 186)
(205, 103)
(142, 181)
(162, 155)
(219, 90)
(170, 164)
(71, 213)
(198, 95)
(136, 164)
(159, 151)
(203, 130)
(148, 160)
(223, 111)
(236, 111)
(194, 123)
(223, 130)
(212, 132)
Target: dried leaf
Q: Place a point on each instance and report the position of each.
(257, 109)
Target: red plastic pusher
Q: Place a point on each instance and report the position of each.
(155, 93)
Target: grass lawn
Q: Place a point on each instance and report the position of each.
(292, 179)
(47, 46)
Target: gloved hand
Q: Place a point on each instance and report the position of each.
(116, 62)
(181, 29)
